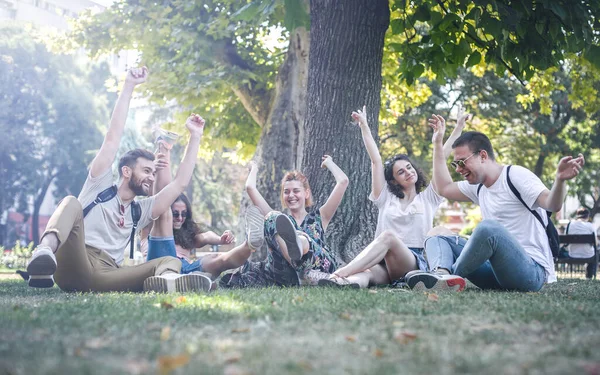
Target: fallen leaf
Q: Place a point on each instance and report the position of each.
(405, 337)
(165, 333)
(351, 338)
(233, 357)
(240, 330)
(297, 299)
(345, 315)
(166, 364)
(166, 305)
(274, 303)
(432, 297)
(181, 299)
(398, 323)
(373, 291)
(378, 353)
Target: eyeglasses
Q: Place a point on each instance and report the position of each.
(461, 163)
(176, 214)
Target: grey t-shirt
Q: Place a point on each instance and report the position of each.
(101, 225)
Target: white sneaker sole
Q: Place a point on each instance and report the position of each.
(428, 282)
(40, 272)
(255, 228)
(183, 284)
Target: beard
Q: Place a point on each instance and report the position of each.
(136, 186)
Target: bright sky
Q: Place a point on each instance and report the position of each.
(105, 3)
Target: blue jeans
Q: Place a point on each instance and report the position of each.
(491, 259)
(165, 246)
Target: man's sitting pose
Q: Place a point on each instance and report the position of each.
(83, 245)
(509, 249)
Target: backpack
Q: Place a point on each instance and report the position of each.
(136, 211)
(550, 229)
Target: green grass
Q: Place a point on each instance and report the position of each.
(308, 330)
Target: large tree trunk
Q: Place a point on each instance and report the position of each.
(344, 74)
(280, 147)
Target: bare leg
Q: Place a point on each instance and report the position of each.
(399, 259)
(163, 226)
(215, 264)
(376, 275)
(283, 247)
(50, 239)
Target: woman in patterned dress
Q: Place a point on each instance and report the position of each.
(295, 241)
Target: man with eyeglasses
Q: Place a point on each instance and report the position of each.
(509, 249)
(84, 251)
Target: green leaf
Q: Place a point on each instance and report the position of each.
(418, 70)
(248, 11)
(422, 13)
(295, 15)
(474, 59)
(593, 55)
(398, 26)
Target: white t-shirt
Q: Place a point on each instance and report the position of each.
(410, 224)
(101, 225)
(499, 203)
(581, 250)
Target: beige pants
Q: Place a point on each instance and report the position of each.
(84, 268)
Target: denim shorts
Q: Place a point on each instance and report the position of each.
(165, 246)
(419, 254)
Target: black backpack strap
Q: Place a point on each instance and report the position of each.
(518, 195)
(104, 196)
(136, 214)
(567, 230)
(479, 188)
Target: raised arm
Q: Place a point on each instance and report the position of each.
(257, 199)
(211, 238)
(568, 168)
(461, 121)
(112, 140)
(442, 181)
(377, 174)
(335, 198)
(166, 197)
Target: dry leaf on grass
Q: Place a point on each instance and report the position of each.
(240, 330)
(166, 305)
(378, 353)
(137, 367)
(373, 291)
(165, 333)
(181, 299)
(166, 364)
(233, 357)
(432, 297)
(305, 365)
(297, 299)
(345, 316)
(351, 338)
(405, 337)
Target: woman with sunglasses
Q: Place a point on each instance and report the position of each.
(175, 233)
(407, 205)
(297, 252)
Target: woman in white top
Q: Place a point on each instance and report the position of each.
(407, 205)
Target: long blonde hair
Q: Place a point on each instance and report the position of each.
(296, 176)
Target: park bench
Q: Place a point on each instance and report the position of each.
(566, 239)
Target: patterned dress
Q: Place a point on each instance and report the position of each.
(275, 270)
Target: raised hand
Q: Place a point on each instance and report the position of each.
(161, 161)
(438, 124)
(569, 167)
(227, 237)
(135, 76)
(462, 118)
(195, 124)
(326, 161)
(360, 117)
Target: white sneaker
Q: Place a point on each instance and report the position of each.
(286, 230)
(255, 228)
(41, 267)
(436, 282)
(174, 282)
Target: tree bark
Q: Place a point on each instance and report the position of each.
(280, 147)
(347, 39)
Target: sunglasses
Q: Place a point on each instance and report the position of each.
(176, 214)
(462, 163)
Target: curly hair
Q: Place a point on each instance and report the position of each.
(185, 235)
(396, 189)
(296, 176)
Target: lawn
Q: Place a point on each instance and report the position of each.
(302, 330)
